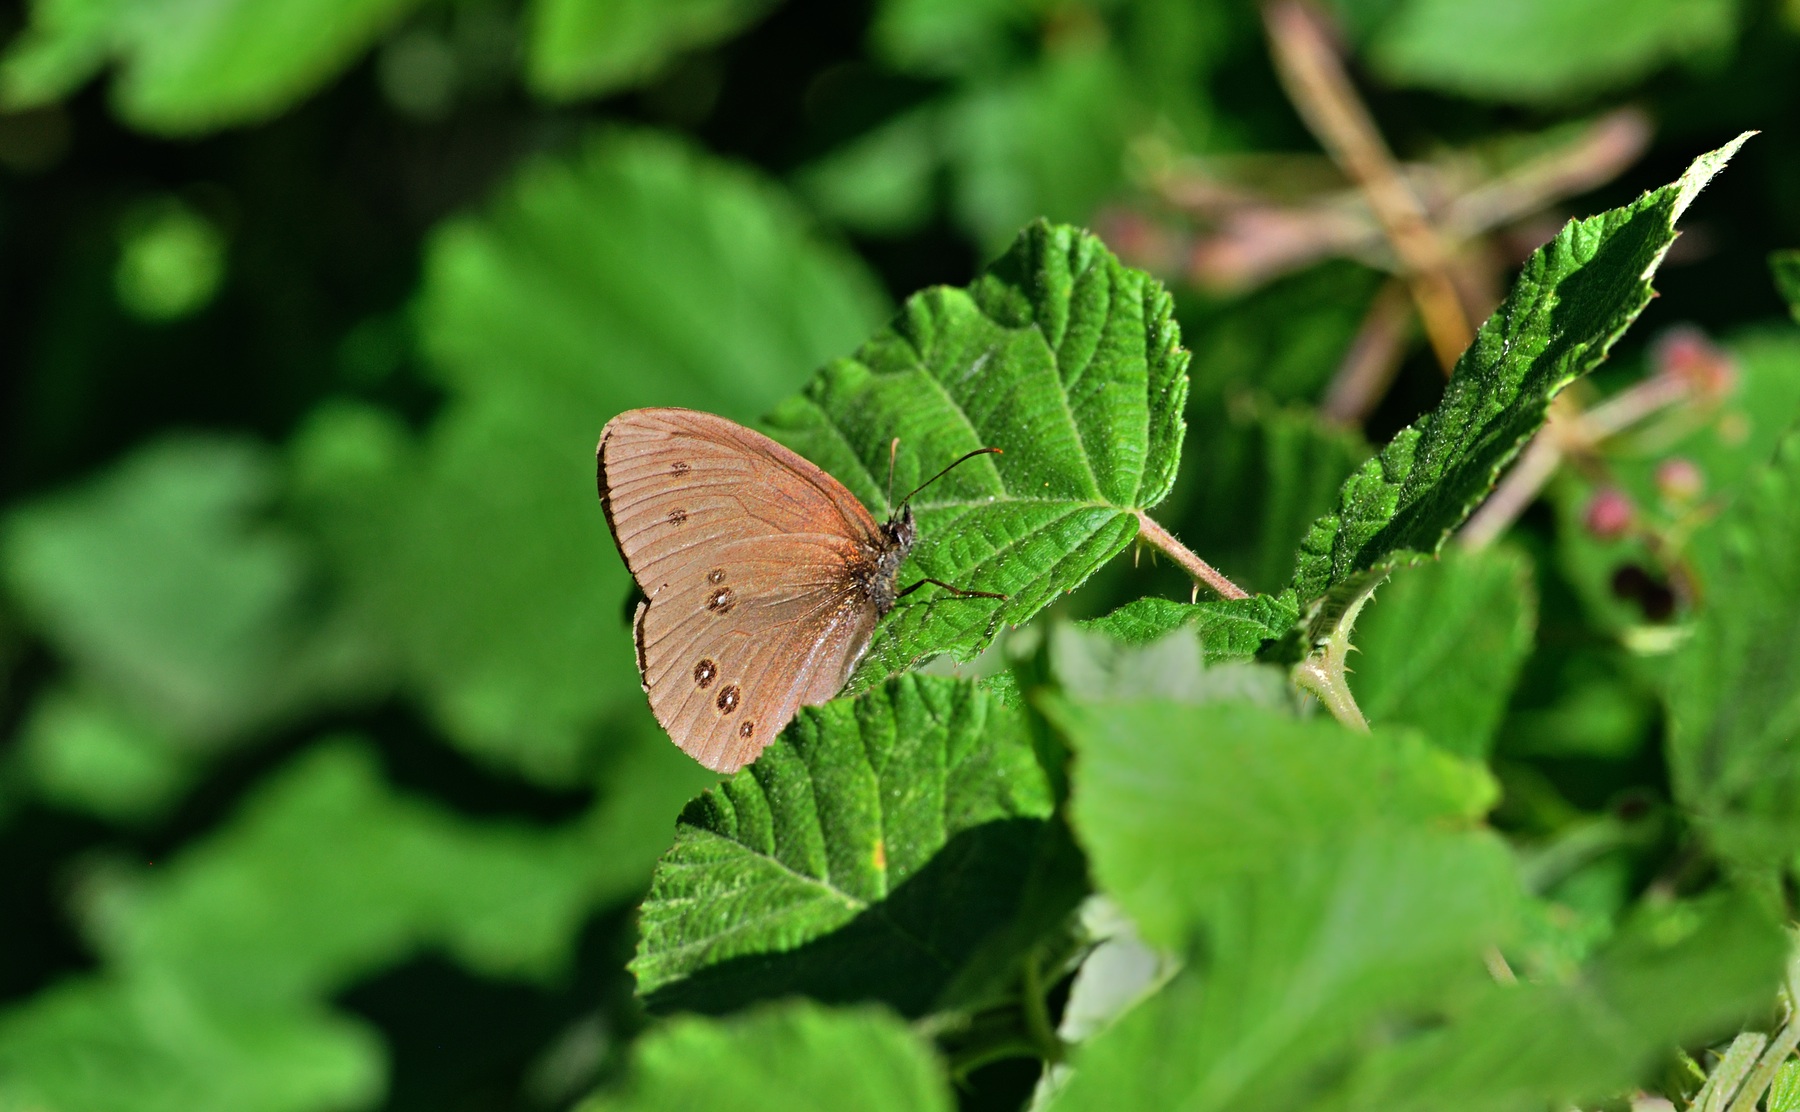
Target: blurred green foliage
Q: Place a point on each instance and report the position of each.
(325, 777)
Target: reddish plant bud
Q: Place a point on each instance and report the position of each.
(1609, 514)
(1679, 479)
(1689, 355)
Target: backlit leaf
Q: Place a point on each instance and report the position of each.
(789, 1056)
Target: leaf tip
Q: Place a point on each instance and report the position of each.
(1702, 171)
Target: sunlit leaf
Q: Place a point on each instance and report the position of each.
(1174, 801)
(1300, 961)
(83, 752)
(1543, 51)
(1064, 359)
(1229, 629)
(1676, 976)
(794, 1055)
(187, 68)
(1576, 296)
(162, 581)
(635, 272)
(831, 865)
(590, 47)
(219, 962)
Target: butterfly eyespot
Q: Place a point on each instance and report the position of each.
(677, 516)
(728, 698)
(679, 467)
(747, 728)
(705, 672)
(722, 600)
(717, 575)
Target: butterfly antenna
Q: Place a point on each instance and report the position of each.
(959, 462)
(893, 450)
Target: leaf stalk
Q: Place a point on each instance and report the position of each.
(1164, 541)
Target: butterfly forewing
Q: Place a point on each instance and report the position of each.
(755, 566)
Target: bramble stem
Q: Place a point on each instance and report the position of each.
(1164, 542)
(1325, 673)
(1309, 67)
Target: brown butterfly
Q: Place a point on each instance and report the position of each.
(763, 576)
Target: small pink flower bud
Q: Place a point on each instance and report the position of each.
(1679, 479)
(1689, 355)
(1609, 514)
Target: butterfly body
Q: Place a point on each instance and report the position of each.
(763, 576)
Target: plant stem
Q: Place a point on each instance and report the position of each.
(1037, 1012)
(1164, 541)
(1325, 672)
(1313, 74)
(1779, 1050)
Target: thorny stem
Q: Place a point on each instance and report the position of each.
(1325, 673)
(1164, 541)
(1315, 80)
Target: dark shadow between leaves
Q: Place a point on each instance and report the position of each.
(989, 895)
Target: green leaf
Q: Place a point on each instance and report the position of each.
(1089, 664)
(161, 581)
(883, 182)
(219, 962)
(144, 1045)
(1229, 629)
(1059, 355)
(787, 1056)
(1784, 1094)
(1734, 688)
(639, 271)
(1047, 140)
(945, 37)
(582, 48)
(1043, 138)
(870, 853)
(189, 68)
(1305, 958)
(1173, 802)
(1442, 645)
(1674, 977)
(1784, 266)
(83, 752)
(1575, 297)
(635, 272)
(1543, 52)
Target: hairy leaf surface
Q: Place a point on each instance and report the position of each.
(1060, 356)
(1576, 296)
(870, 853)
